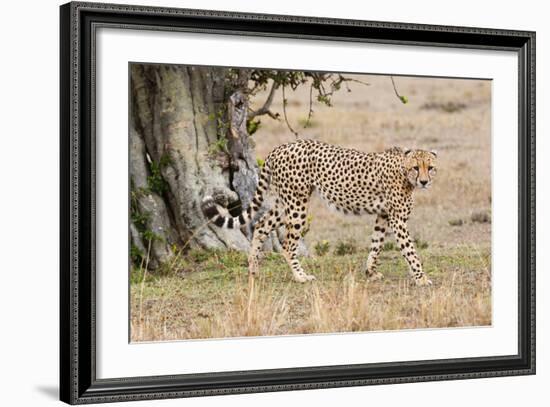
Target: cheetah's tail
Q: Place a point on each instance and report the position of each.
(236, 217)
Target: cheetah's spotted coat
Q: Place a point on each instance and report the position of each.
(353, 181)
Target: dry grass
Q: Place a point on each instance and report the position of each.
(213, 297)
(208, 295)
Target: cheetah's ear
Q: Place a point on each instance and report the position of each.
(434, 153)
(408, 151)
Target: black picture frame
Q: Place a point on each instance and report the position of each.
(78, 382)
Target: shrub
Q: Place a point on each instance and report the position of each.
(420, 244)
(481, 217)
(344, 248)
(322, 247)
(389, 246)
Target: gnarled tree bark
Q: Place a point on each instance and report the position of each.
(188, 139)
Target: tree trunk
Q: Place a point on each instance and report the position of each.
(188, 139)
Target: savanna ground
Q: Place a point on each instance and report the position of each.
(208, 294)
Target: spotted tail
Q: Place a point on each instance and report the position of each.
(236, 217)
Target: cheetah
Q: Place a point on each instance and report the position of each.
(351, 181)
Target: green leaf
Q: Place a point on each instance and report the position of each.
(252, 126)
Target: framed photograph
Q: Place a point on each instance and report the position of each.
(255, 203)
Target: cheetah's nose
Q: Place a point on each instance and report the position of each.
(424, 183)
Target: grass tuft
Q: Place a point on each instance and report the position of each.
(345, 247)
(481, 217)
(322, 247)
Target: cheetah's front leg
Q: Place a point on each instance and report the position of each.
(408, 251)
(290, 247)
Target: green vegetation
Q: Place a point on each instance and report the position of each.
(420, 244)
(136, 255)
(345, 247)
(155, 181)
(252, 126)
(322, 247)
(219, 146)
(140, 217)
(389, 245)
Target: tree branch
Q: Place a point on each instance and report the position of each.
(286, 118)
(310, 111)
(346, 79)
(402, 98)
(267, 104)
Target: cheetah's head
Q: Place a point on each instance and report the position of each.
(420, 167)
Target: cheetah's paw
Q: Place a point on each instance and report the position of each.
(423, 281)
(303, 277)
(376, 276)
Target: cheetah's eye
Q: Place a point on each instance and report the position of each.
(430, 168)
(415, 168)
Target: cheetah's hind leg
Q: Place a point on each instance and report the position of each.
(296, 220)
(269, 221)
